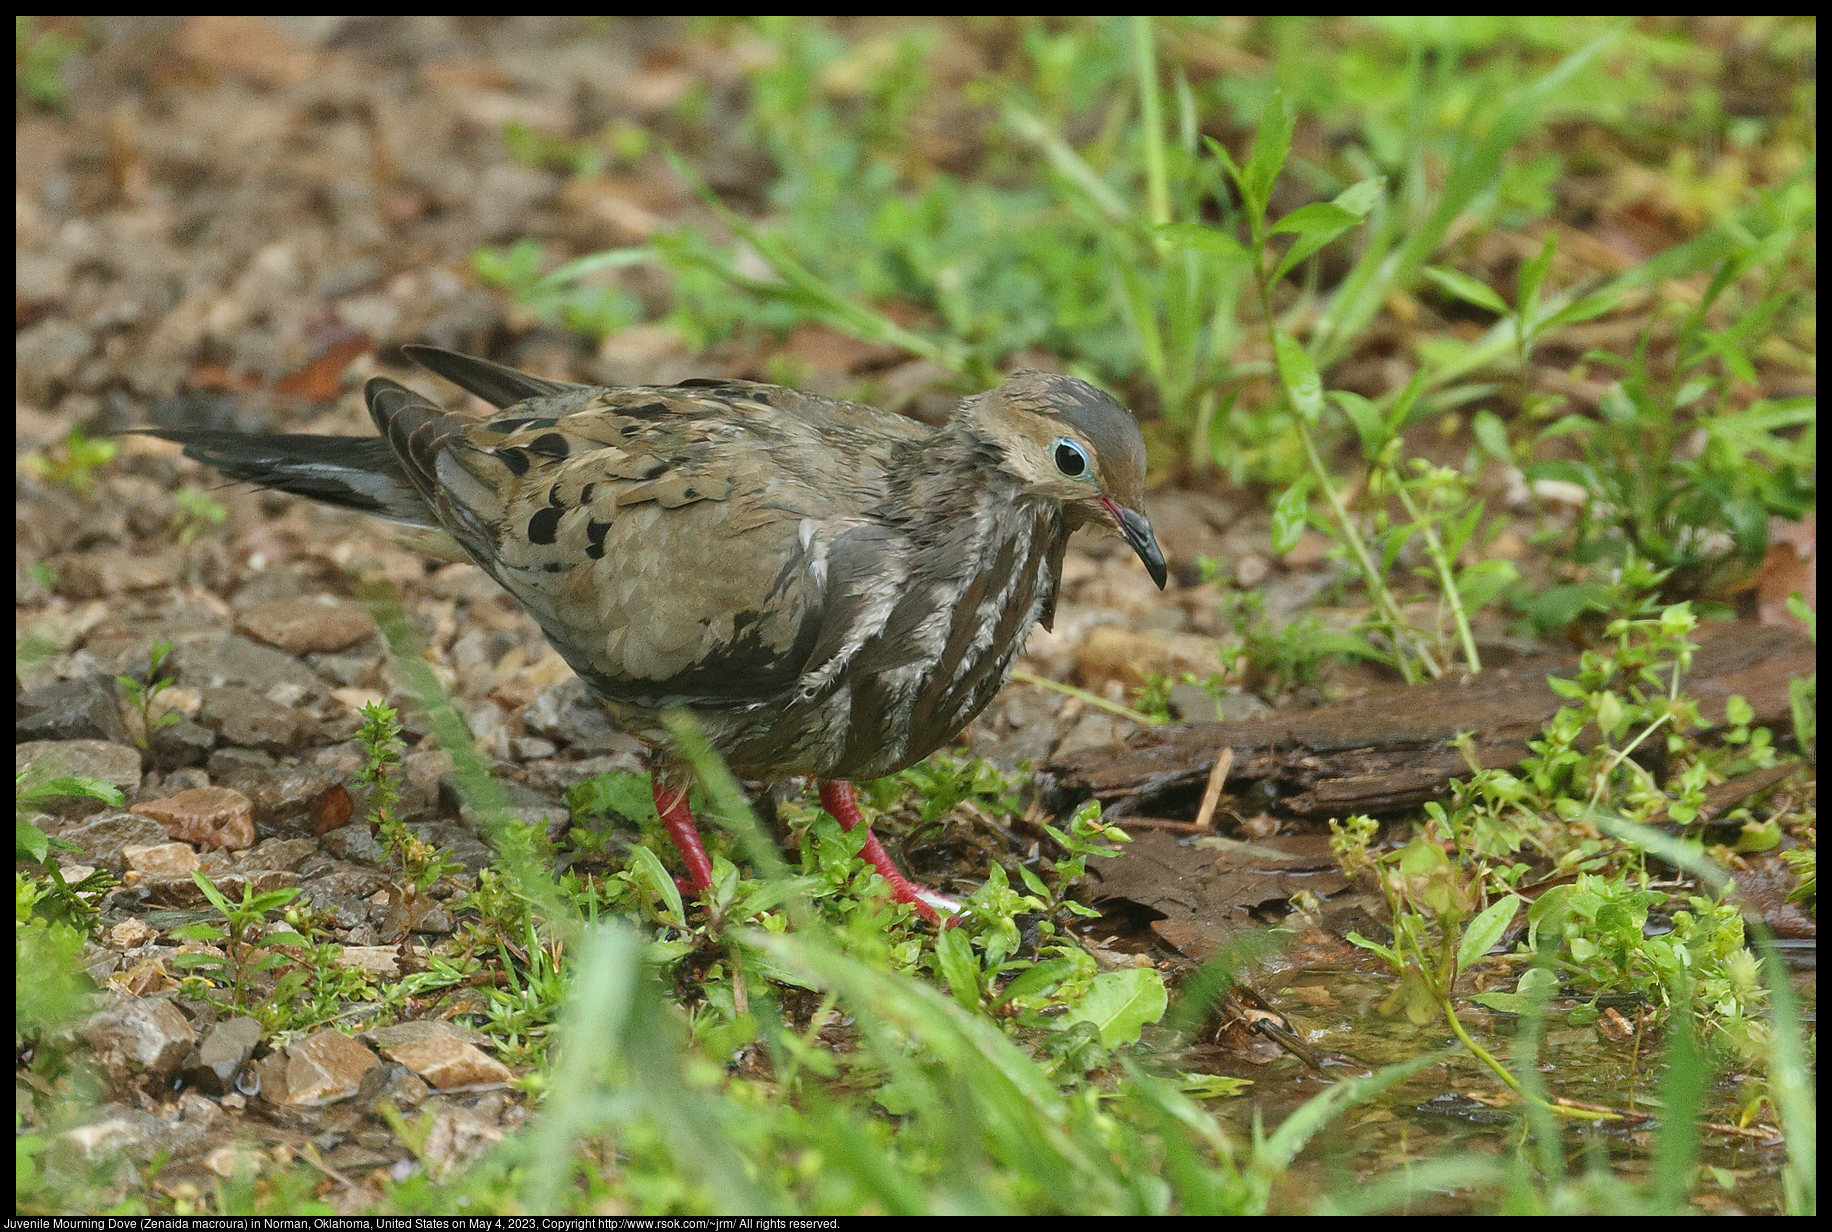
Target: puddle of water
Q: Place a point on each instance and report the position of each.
(1459, 1107)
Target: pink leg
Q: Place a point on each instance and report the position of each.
(837, 799)
(671, 805)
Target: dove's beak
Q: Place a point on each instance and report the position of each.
(1137, 530)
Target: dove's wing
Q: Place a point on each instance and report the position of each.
(672, 541)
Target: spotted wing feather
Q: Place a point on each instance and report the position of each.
(670, 540)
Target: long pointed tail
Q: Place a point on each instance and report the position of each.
(350, 471)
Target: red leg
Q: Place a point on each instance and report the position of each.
(671, 805)
(837, 799)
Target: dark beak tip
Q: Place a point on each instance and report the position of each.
(1137, 530)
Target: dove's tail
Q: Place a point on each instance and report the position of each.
(353, 472)
(367, 473)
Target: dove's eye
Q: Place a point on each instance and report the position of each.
(1071, 458)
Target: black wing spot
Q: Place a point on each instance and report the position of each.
(688, 494)
(757, 395)
(632, 429)
(552, 444)
(585, 494)
(594, 535)
(543, 526)
(515, 459)
(703, 382)
(649, 410)
(553, 497)
(655, 471)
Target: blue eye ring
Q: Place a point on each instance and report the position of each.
(1071, 459)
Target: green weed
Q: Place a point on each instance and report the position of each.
(141, 694)
(243, 941)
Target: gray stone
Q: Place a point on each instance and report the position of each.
(301, 626)
(244, 717)
(228, 661)
(277, 854)
(354, 842)
(556, 778)
(293, 800)
(1192, 703)
(102, 837)
(99, 572)
(197, 1120)
(225, 1049)
(458, 1136)
(392, 1084)
(229, 762)
(340, 881)
(141, 1035)
(118, 1133)
(1094, 731)
(47, 354)
(323, 1069)
(86, 709)
(347, 670)
(184, 743)
(1242, 708)
(568, 713)
(443, 1057)
(1189, 526)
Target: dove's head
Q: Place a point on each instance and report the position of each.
(1066, 440)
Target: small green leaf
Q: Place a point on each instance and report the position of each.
(1319, 217)
(1505, 1002)
(1492, 435)
(1205, 239)
(1316, 225)
(1373, 947)
(1533, 273)
(660, 881)
(1039, 979)
(1370, 425)
(1271, 145)
(1033, 883)
(1361, 197)
(1738, 711)
(195, 959)
(1586, 309)
(1478, 584)
(769, 894)
(1485, 930)
(1120, 1003)
(30, 842)
(211, 892)
(1212, 1086)
(1226, 159)
(1298, 373)
(1421, 857)
(74, 785)
(1290, 516)
(955, 963)
(1566, 688)
(1610, 716)
(1467, 289)
(1568, 472)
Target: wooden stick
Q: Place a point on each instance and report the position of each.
(1211, 796)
